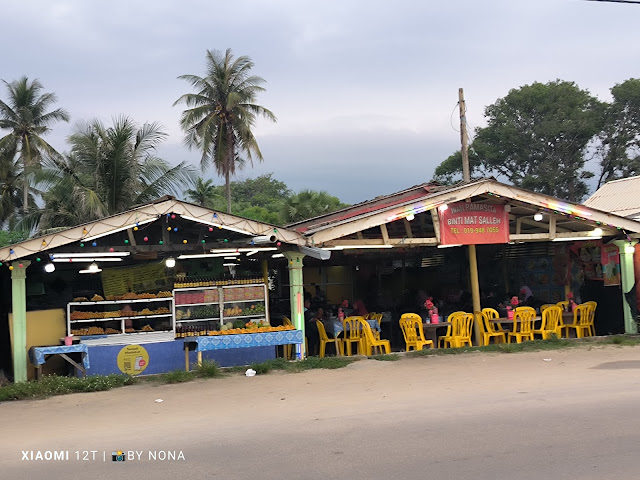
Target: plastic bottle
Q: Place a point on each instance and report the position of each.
(340, 314)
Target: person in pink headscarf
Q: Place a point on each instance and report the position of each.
(359, 310)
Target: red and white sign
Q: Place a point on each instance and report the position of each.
(473, 223)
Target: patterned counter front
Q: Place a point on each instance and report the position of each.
(37, 354)
(241, 340)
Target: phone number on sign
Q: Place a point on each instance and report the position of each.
(481, 230)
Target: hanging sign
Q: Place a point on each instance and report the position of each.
(473, 223)
(610, 259)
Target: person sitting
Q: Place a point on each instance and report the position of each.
(311, 331)
(359, 310)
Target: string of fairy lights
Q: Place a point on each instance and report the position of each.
(141, 223)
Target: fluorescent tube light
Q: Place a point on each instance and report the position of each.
(207, 255)
(90, 254)
(449, 246)
(571, 239)
(87, 259)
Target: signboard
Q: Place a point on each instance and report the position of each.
(473, 223)
(133, 359)
(610, 258)
(138, 279)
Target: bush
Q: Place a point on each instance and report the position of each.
(51, 385)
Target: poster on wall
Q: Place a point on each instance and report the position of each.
(138, 279)
(610, 259)
(589, 256)
(473, 223)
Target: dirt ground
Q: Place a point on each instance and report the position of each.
(324, 402)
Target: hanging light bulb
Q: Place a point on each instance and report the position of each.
(49, 268)
(170, 262)
(537, 217)
(94, 267)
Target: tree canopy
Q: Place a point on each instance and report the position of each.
(222, 112)
(536, 137)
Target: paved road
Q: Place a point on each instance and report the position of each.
(551, 415)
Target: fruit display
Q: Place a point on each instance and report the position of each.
(110, 330)
(88, 331)
(147, 328)
(97, 298)
(233, 312)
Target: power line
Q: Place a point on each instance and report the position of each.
(616, 1)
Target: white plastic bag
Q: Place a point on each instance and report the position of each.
(250, 372)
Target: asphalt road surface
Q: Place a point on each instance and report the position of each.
(546, 415)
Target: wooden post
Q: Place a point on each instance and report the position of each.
(466, 176)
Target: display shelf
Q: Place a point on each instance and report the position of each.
(120, 302)
(223, 297)
(210, 319)
(244, 301)
(119, 324)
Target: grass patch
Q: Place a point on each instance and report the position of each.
(51, 385)
(386, 357)
(175, 376)
(209, 369)
(308, 364)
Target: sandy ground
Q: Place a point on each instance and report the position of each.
(238, 427)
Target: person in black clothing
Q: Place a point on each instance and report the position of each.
(311, 330)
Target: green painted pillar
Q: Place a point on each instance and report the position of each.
(19, 310)
(627, 249)
(296, 295)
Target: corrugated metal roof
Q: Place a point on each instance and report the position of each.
(617, 196)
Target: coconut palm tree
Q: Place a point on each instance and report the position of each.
(202, 193)
(25, 115)
(308, 204)
(108, 170)
(222, 112)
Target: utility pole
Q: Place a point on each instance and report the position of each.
(464, 140)
(466, 176)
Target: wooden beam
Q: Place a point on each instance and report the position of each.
(132, 238)
(552, 227)
(396, 242)
(518, 225)
(533, 223)
(407, 228)
(436, 222)
(385, 234)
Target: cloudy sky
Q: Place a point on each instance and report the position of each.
(365, 91)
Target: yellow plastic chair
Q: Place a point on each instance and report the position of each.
(551, 323)
(353, 334)
(564, 305)
(287, 349)
(492, 313)
(461, 329)
(522, 324)
(592, 316)
(369, 342)
(324, 339)
(411, 325)
(582, 321)
(545, 306)
(378, 318)
(488, 330)
(447, 336)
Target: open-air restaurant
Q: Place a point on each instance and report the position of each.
(169, 284)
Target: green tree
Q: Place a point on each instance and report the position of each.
(618, 145)
(221, 113)
(308, 204)
(536, 138)
(25, 115)
(203, 193)
(108, 170)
